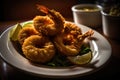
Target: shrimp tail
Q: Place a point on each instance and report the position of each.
(42, 8)
(85, 35)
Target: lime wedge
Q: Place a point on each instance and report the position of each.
(14, 32)
(29, 24)
(81, 59)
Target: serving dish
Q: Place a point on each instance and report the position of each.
(98, 44)
(87, 14)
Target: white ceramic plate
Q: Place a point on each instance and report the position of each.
(99, 45)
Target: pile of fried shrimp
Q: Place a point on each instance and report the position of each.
(51, 35)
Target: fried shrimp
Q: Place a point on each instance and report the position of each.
(51, 24)
(38, 49)
(71, 39)
(25, 33)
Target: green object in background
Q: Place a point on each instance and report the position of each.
(115, 10)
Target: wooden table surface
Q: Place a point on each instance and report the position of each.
(110, 71)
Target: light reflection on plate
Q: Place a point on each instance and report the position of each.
(99, 45)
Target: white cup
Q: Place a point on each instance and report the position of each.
(91, 18)
(111, 25)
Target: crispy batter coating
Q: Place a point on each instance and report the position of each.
(70, 40)
(25, 33)
(38, 49)
(51, 24)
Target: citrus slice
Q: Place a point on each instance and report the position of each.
(14, 32)
(29, 24)
(81, 59)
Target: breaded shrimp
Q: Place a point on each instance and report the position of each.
(71, 39)
(25, 33)
(51, 24)
(38, 49)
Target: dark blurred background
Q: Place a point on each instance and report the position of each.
(26, 9)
